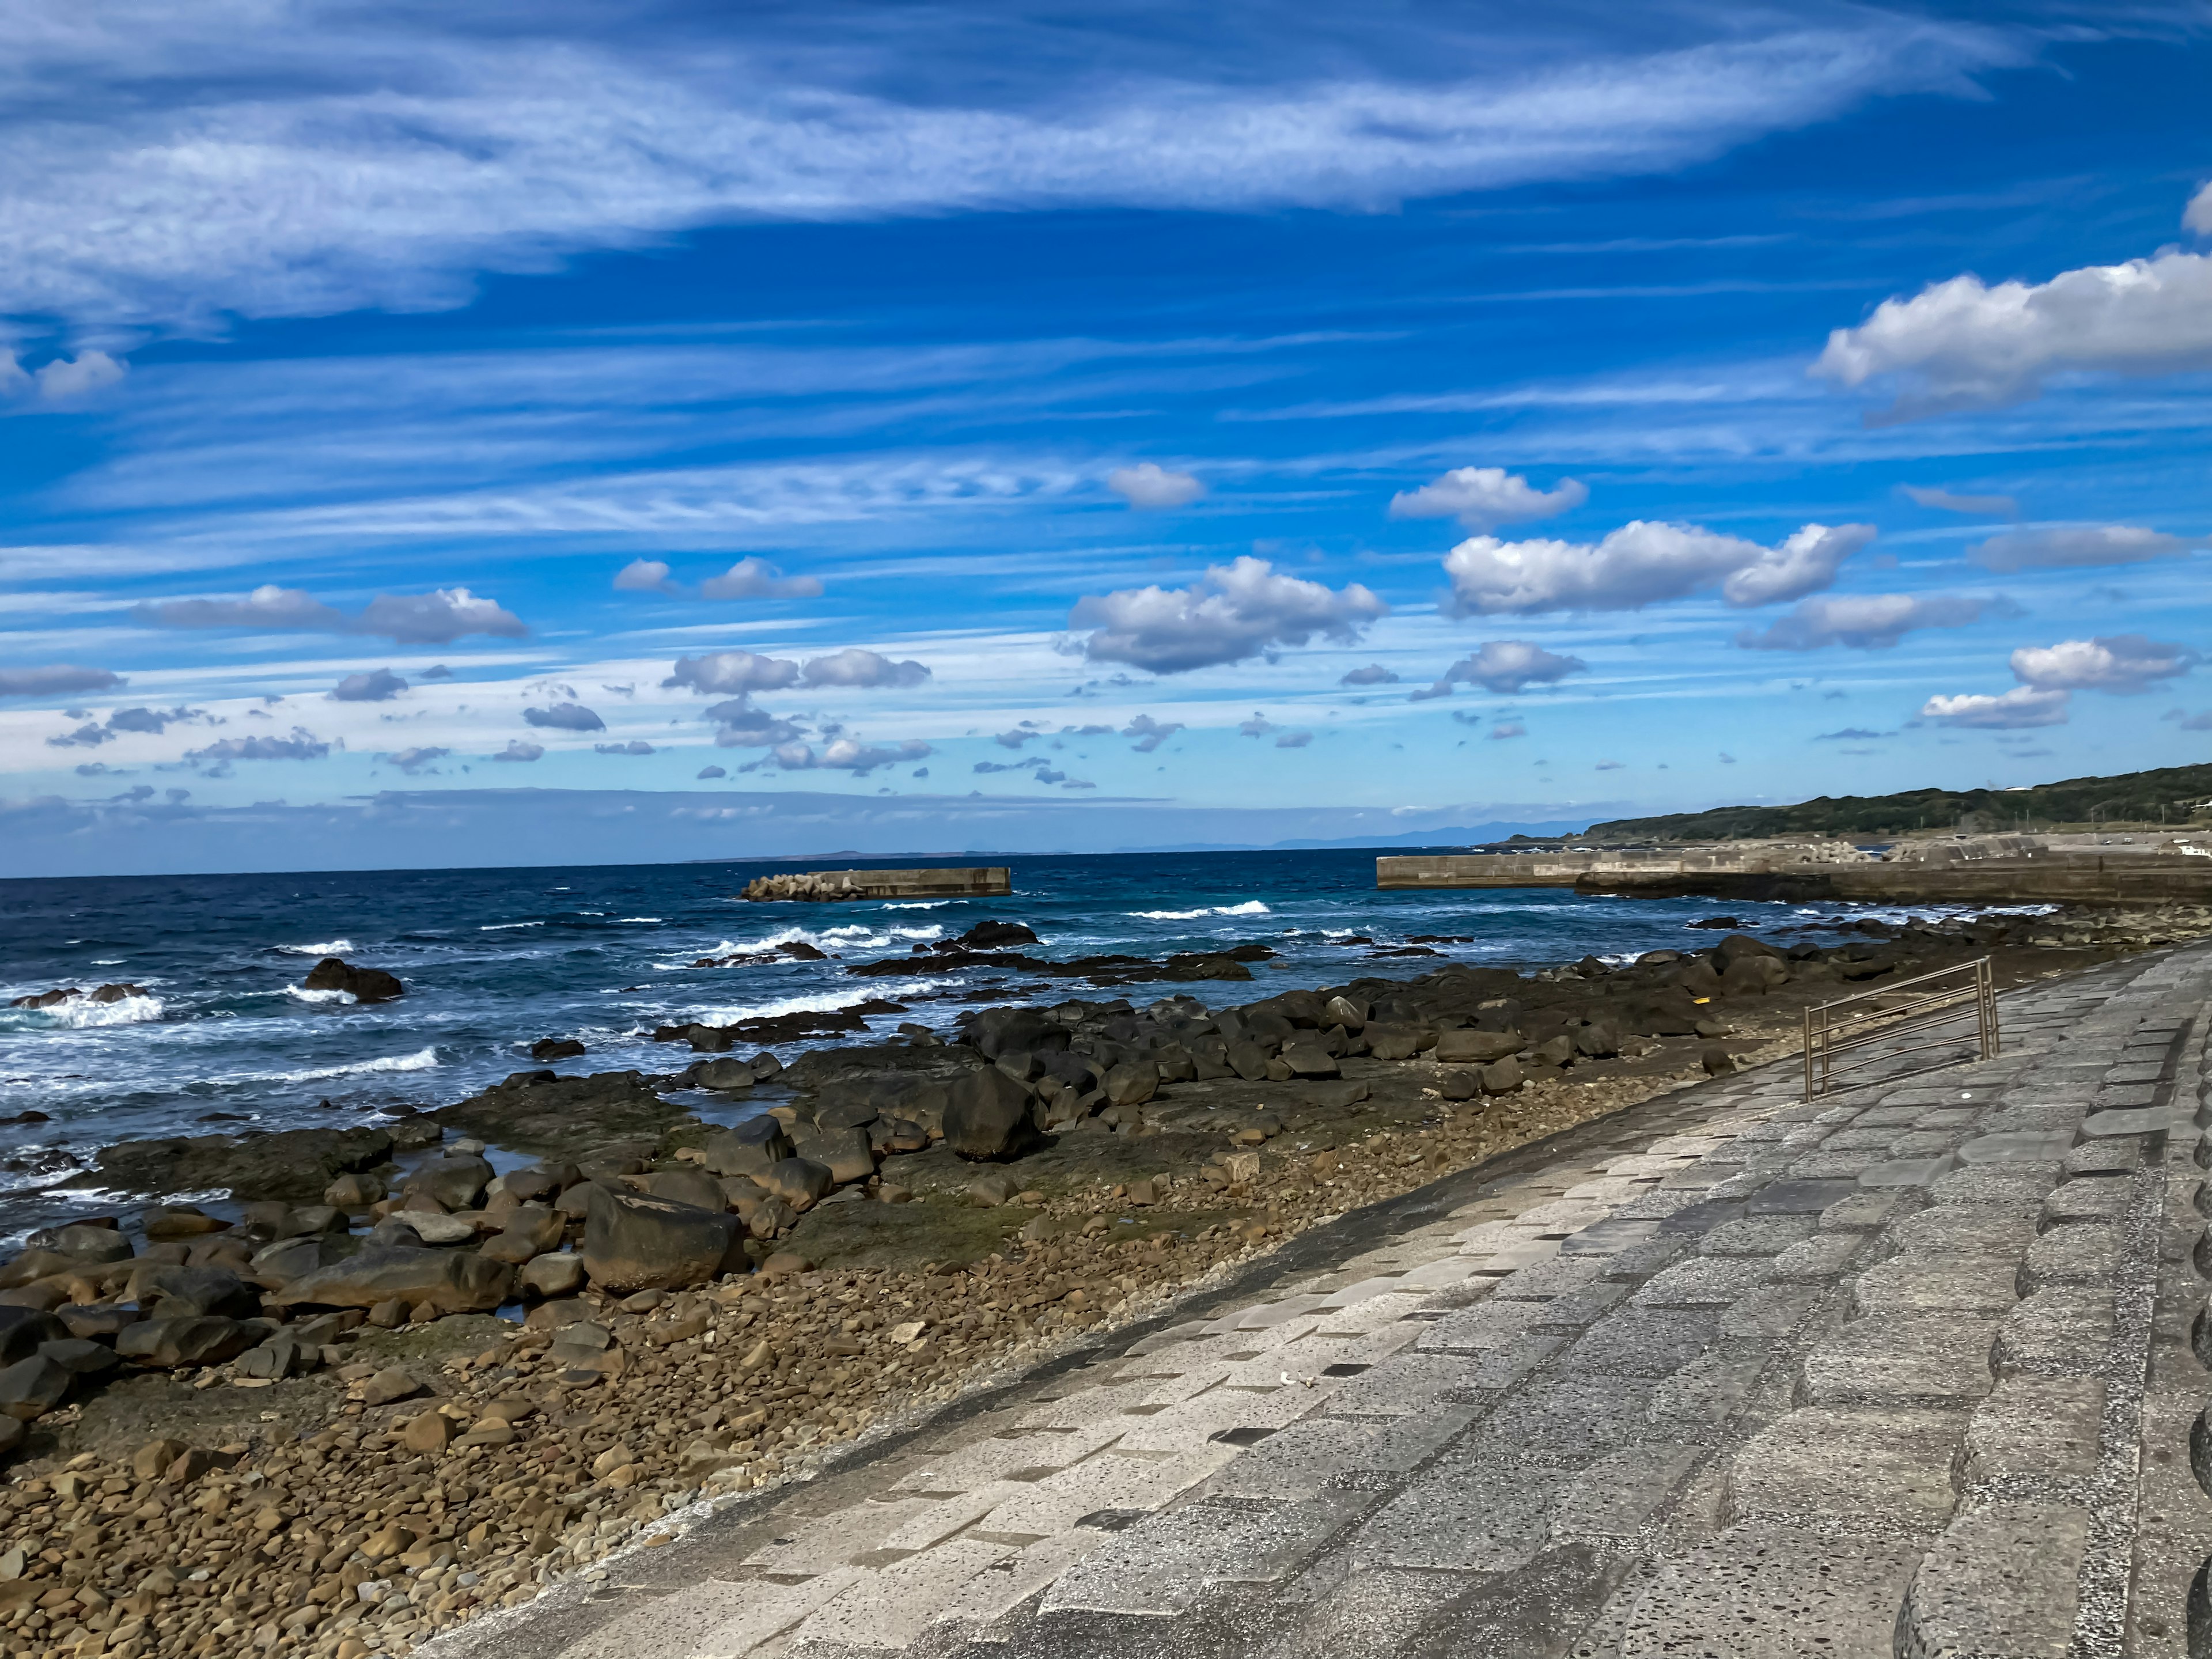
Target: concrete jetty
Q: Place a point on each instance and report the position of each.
(1911, 1372)
(828, 886)
(2023, 869)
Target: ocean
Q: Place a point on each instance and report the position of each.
(223, 1038)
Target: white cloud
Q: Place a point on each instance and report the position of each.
(2197, 216)
(1981, 506)
(741, 726)
(55, 680)
(1151, 733)
(1962, 345)
(757, 578)
(634, 746)
(706, 772)
(380, 685)
(421, 150)
(724, 672)
(414, 762)
(1485, 497)
(302, 745)
(1506, 729)
(1297, 739)
(565, 717)
(2126, 664)
(438, 618)
(1148, 486)
(2065, 546)
(643, 576)
(1234, 612)
(1641, 563)
(1870, 621)
(518, 749)
(2020, 707)
(1505, 666)
(1374, 674)
(846, 755)
(66, 381)
(855, 667)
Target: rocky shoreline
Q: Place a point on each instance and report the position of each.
(288, 1431)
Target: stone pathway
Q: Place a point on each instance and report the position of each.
(1913, 1371)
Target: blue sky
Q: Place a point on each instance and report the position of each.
(1442, 415)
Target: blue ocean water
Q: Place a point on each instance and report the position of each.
(224, 1039)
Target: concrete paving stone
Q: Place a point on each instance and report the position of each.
(1694, 1220)
(1862, 1138)
(1913, 1283)
(1161, 1565)
(1892, 1117)
(2081, 1253)
(1495, 1324)
(1641, 1342)
(1310, 1455)
(1711, 1388)
(2109, 1155)
(1268, 1315)
(1572, 1311)
(1827, 1256)
(1561, 1217)
(1697, 1178)
(1616, 1495)
(831, 1540)
(1550, 1279)
(1489, 1512)
(2147, 1070)
(1410, 1383)
(955, 1512)
(1360, 1290)
(1863, 1212)
(1658, 1204)
(2123, 1097)
(1704, 1282)
(1100, 1402)
(995, 1456)
(1606, 1190)
(1569, 1419)
(2015, 1184)
(2063, 1331)
(1684, 1145)
(1924, 1143)
(2052, 1117)
(1902, 1358)
(2043, 1428)
(675, 1623)
(1871, 1465)
(2000, 1580)
(2135, 1121)
(2016, 1146)
(1502, 1261)
(1193, 1424)
(1106, 1481)
(1765, 1235)
(888, 1608)
(991, 1595)
(1769, 1311)
(2002, 1231)
(1485, 1235)
(1946, 1118)
(1609, 1238)
(1766, 1592)
(769, 1609)
(1799, 1197)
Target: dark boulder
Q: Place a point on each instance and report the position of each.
(845, 1154)
(550, 1048)
(82, 1242)
(293, 1259)
(636, 1242)
(296, 1164)
(748, 1149)
(171, 1293)
(194, 1339)
(456, 1182)
(1598, 1040)
(1738, 946)
(694, 1187)
(22, 1329)
(720, 1074)
(562, 1117)
(991, 935)
(364, 984)
(179, 1221)
(31, 1388)
(987, 1115)
(453, 1281)
(80, 1355)
(800, 1182)
(1475, 1047)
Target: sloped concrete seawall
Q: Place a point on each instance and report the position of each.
(2065, 877)
(1911, 1371)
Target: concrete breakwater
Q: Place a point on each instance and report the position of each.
(1988, 869)
(820, 886)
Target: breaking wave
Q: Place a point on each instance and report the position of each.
(336, 947)
(1250, 907)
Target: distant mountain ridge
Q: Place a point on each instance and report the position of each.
(2164, 795)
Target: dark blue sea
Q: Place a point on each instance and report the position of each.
(224, 1039)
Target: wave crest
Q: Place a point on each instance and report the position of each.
(336, 947)
(81, 1012)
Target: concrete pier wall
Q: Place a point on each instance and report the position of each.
(818, 886)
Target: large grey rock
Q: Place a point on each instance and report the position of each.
(693, 1187)
(22, 1329)
(453, 1281)
(174, 1291)
(365, 984)
(31, 1388)
(726, 1073)
(278, 1265)
(195, 1340)
(1475, 1048)
(747, 1149)
(845, 1154)
(455, 1183)
(1132, 1083)
(987, 1115)
(293, 1164)
(632, 1242)
(82, 1243)
(553, 1274)
(801, 1182)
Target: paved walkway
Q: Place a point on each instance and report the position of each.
(1909, 1373)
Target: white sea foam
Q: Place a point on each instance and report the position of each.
(1250, 907)
(336, 947)
(81, 1012)
(423, 1060)
(501, 926)
(637, 918)
(731, 1013)
(318, 996)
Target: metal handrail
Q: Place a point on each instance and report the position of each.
(1832, 1029)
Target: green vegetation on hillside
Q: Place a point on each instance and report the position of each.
(2172, 795)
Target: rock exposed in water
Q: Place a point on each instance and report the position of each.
(363, 984)
(564, 1117)
(550, 1048)
(293, 1164)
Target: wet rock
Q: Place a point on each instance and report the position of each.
(693, 1187)
(994, 935)
(173, 1291)
(1132, 1083)
(456, 1182)
(82, 1243)
(179, 1221)
(452, 1281)
(1475, 1047)
(748, 1149)
(552, 1048)
(987, 1115)
(724, 1074)
(800, 1182)
(553, 1275)
(636, 1242)
(845, 1154)
(559, 1117)
(365, 984)
(194, 1339)
(355, 1192)
(1307, 1058)
(296, 1165)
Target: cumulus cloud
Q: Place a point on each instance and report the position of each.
(1505, 666)
(853, 667)
(634, 746)
(302, 745)
(438, 618)
(726, 672)
(1852, 734)
(1870, 621)
(1964, 344)
(1980, 506)
(1235, 611)
(1485, 497)
(1150, 487)
(1374, 674)
(414, 762)
(2181, 717)
(64, 379)
(1641, 563)
(1258, 726)
(565, 717)
(145, 721)
(757, 578)
(1151, 733)
(847, 754)
(2015, 710)
(2077, 546)
(1014, 738)
(1295, 739)
(706, 772)
(1506, 729)
(380, 686)
(518, 749)
(2197, 216)
(55, 680)
(643, 576)
(2126, 664)
(438, 671)
(739, 724)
